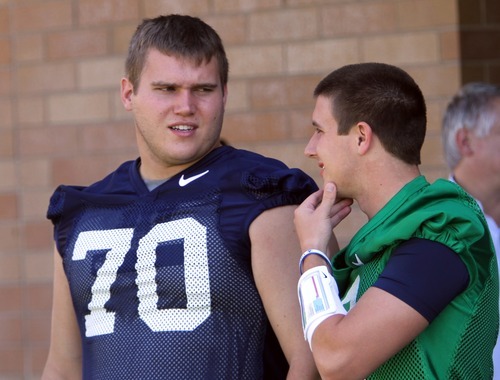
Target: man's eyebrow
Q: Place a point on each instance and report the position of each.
(163, 84)
(196, 85)
(205, 85)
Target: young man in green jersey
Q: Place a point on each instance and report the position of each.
(414, 295)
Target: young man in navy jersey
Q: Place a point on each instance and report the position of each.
(171, 267)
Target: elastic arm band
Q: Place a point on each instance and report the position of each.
(318, 298)
(314, 252)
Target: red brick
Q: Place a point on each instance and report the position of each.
(46, 78)
(359, 19)
(79, 107)
(38, 357)
(11, 362)
(48, 141)
(93, 12)
(10, 299)
(108, 137)
(38, 327)
(84, 170)
(5, 82)
(9, 243)
(283, 92)
(426, 14)
(10, 329)
(281, 25)
(251, 127)
(38, 234)
(4, 20)
(231, 28)
(5, 51)
(29, 48)
(300, 124)
(6, 143)
(10, 266)
(79, 43)
(121, 36)
(39, 298)
(37, 267)
(450, 45)
(39, 16)
(198, 8)
(8, 206)
(6, 113)
(34, 172)
(243, 6)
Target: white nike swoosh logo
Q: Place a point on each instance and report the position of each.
(184, 181)
(358, 262)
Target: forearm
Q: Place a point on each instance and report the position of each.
(62, 369)
(303, 367)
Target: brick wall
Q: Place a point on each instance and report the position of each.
(61, 120)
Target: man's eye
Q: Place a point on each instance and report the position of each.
(166, 88)
(205, 89)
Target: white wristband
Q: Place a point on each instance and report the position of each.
(314, 252)
(318, 298)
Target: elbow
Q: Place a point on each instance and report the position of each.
(338, 363)
(334, 369)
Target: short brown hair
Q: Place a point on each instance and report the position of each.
(385, 97)
(177, 35)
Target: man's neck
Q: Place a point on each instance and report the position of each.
(489, 198)
(382, 188)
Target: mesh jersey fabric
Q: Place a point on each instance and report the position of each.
(495, 236)
(458, 344)
(161, 281)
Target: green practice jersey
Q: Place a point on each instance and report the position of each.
(458, 344)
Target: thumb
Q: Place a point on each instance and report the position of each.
(329, 194)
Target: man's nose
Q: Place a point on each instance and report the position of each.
(185, 103)
(310, 149)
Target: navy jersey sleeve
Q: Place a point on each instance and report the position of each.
(424, 274)
(253, 184)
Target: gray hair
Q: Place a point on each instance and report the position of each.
(470, 108)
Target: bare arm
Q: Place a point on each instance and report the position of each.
(65, 358)
(376, 328)
(275, 255)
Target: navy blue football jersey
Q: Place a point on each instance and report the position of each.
(161, 280)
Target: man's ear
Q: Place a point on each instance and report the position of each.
(127, 90)
(364, 136)
(462, 139)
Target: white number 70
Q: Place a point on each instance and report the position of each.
(118, 242)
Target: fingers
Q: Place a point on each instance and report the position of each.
(324, 202)
(316, 217)
(337, 209)
(320, 201)
(340, 211)
(329, 195)
(313, 200)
